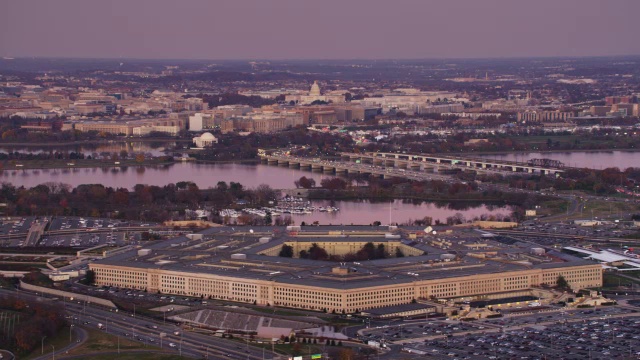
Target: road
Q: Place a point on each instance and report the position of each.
(148, 331)
(79, 334)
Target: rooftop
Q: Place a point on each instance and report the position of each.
(239, 252)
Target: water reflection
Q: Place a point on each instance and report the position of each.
(589, 159)
(208, 175)
(397, 211)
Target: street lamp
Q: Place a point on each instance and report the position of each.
(53, 353)
(42, 344)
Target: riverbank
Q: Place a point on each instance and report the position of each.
(10, 165)
(473, 198)
(94, 142)
(218, 162)
(540, 151)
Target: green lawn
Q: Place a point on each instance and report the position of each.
(610, 280)
(99, 341)
(134, 356)
(59, 341)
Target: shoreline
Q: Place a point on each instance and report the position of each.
(91, 142)
(543, 151)
(111, 164)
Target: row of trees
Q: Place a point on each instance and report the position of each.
(589, 180)
(145, 202)
(368, 252)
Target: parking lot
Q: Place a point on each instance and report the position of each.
(604, 337)
(16, 225)
(75, 231)
(401, 331)
(80, 223)
(84, 240)
(606, 229)
(612, 332)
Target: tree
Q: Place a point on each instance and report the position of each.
(317, 253)
(305, 183)
(90, 277)
(222, 186)
(562, 283)
(333, 184)
(140, 158)
(286, 251)
(399, 253)
(267, 218)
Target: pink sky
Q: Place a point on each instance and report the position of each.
(317, 29)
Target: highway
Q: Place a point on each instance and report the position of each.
(148, 331)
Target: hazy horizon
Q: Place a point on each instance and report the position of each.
(327, 30)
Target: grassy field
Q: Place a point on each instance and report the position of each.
(610, 280)
(635, 274)
(59, 341)
(295, 349)
(601, 209)
(99, 343)
(134, 356)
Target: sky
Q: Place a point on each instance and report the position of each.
(318, 29)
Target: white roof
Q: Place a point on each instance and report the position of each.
(207, 136)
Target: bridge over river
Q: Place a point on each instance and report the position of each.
(414, 167)
(406, 161)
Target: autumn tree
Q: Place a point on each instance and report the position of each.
(305, 183)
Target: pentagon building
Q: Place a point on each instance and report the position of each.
(244, 266)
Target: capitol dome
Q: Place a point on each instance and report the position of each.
(315, 89)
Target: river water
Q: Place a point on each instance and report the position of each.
(588, 159)
(208, 175)
(397, 211)
(250, 176)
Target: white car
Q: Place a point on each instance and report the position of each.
(172, 345)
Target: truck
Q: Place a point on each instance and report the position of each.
(100, 326)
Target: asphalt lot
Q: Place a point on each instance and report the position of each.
(614, 338)
(604, 332)
(609, 229)
(77, 231)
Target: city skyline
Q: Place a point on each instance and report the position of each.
(289, 30)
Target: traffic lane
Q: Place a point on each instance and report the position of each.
(200, 346)
(147, 327)
(80, 338)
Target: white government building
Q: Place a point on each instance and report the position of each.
(204, 140)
